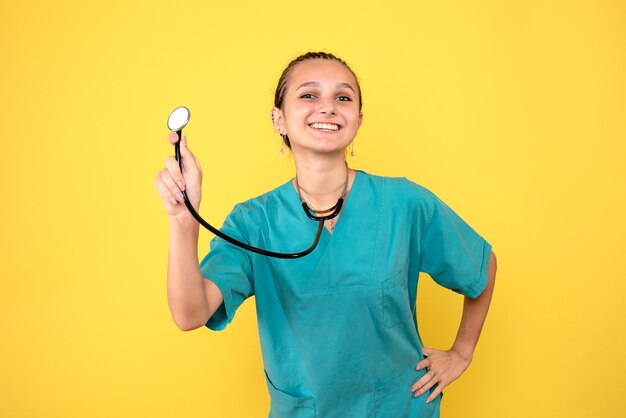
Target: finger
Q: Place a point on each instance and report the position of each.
(172, 137)
(423, 364)
(432, 382)
(427, 351)
(172, 166)
(423, 381)
(172, 187)
(425, 388)
(164, 191)
(436, 392)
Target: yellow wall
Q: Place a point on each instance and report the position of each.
(512, 112)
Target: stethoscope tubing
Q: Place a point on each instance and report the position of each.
(243, 245)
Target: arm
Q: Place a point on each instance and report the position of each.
(192, 299)
(446, 366)
(474, 314)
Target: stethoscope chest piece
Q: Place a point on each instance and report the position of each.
(179, 118)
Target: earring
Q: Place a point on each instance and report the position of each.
(282, 143)
(352, 149)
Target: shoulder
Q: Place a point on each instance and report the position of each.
(401, 188)
(245, 217)
(263, 204)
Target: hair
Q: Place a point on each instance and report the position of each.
(282, 81)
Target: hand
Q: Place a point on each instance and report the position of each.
(444, 367)
(170, 182)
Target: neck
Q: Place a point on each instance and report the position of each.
(323, 179)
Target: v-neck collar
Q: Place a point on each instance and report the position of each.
(347, 204)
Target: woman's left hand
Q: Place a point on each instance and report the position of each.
(444, 367)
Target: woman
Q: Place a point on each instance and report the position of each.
(338, 329)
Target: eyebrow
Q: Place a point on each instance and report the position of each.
(317, 84)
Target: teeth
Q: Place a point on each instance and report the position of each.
(325, 126)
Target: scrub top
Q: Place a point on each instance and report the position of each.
(338, 328)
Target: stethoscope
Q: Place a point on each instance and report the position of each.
(176, 122)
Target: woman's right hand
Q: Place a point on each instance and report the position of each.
(170, 182)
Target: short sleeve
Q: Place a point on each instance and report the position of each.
(453, 254)
(230, 268)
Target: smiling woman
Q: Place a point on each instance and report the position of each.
(321, 114)
(337, 327)
(352, 84)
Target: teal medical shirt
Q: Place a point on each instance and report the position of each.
(338, 329)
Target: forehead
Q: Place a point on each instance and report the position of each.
(323, 71)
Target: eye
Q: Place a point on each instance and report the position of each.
(344, 99)
(306, 96)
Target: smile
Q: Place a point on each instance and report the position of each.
(325, 126)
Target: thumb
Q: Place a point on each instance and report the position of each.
(427, 351)
(188, 157)
(184, 151)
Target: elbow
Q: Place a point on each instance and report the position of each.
(188, 326)
(189, 323)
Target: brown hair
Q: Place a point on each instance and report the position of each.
(282, 81)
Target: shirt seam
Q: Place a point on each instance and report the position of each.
(382, 203)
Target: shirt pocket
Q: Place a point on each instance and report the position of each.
(395, 299)
(284, 405)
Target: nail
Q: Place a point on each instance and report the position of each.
(179, 197)
(181, 186)
(173, 201)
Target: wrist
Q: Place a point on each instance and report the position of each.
(464, 352)
(184, 222)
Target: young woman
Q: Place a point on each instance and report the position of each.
(338, 328)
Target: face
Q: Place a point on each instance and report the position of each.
(320, 111)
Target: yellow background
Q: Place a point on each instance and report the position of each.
(512, 112)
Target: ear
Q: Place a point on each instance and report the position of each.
(360, 119)
(278, 120)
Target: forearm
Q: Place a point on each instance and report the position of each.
(185, 287)
(474, 314)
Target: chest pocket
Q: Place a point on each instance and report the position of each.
(395, 299)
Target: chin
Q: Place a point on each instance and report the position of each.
(322, 151)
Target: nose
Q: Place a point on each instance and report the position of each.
(327, 106)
